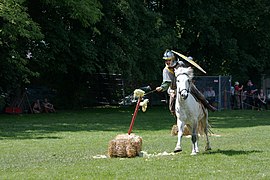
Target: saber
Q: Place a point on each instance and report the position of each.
(190, 61)
(150, 92)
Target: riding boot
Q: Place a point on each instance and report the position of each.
(201, 98)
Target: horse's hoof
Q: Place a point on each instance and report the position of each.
(208, 148)
(193, 154)
(177, 150)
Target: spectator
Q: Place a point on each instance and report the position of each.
(232, 97)
(261, 101)
(48, 107)
(36, 107)
(250, 93)
(237, 92)
(205, 93)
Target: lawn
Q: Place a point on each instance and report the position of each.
(64, 146)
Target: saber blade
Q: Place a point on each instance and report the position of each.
(190, 61)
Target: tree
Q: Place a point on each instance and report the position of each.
(69, 51)
(56, 35)
(226, 37)
(131, 41)
(16, 29)
(61, 42)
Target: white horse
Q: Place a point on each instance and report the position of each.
(189, 111)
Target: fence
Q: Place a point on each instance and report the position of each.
(221, 86)
(109, 89)
(102, 88)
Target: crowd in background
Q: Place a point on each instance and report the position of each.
(248, 97)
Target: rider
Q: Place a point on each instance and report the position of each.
(169, 82)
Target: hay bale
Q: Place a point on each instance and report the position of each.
(125, 145)
(186, 132)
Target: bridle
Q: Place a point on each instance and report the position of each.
(185, 89)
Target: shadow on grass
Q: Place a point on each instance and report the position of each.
(37, 126)
(24, 136)
(232, 152)
(48, 137)
(34, 126)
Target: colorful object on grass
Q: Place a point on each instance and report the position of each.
(134, 115)
(128, 145)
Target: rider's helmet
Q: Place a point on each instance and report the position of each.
(169, 58)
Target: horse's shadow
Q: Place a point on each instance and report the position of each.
(231, 152)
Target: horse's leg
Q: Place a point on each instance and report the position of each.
(194, 139)
(180, 126)
(207, 147)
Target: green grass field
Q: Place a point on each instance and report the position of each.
(63, 146)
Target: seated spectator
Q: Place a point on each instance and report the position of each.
(48, 107)
(36, 107)
(205, 93)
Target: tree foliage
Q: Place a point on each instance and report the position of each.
(16, 29)
(60, 42)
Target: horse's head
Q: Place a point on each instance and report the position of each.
(183, 79)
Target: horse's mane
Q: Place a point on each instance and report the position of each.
(184, 70)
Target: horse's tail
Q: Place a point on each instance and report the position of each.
(203, 121)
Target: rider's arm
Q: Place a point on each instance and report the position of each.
(166, 80)
(165, 85)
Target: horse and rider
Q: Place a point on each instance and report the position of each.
(169, 84)
(169, 81)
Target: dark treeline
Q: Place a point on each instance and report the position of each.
(58, 43)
